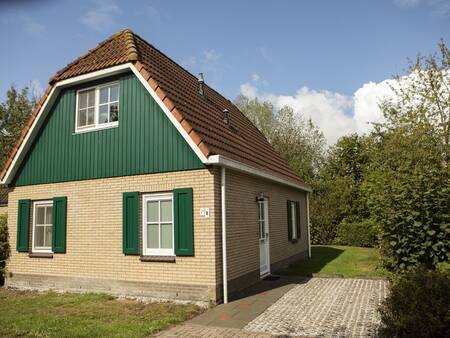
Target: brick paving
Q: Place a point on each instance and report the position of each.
(327, 307)
(201, 331)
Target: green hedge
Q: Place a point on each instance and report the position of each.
(359, 233)
(4, 246)
(417, 306)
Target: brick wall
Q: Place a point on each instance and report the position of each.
(94, 232)
(242, 225)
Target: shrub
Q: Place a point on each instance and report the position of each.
(4, 246)
(359, 233)
(417, 306)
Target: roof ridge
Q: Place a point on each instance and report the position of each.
(54, 78)
(130, 44)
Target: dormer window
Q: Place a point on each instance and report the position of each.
(97, 107)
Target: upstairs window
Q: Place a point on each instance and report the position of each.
(97, 107)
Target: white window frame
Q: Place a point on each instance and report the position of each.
(156, 252)
(96, 125)
(293, 206)
(33, 247)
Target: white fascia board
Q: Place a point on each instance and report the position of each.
(25, 145)
(170, 116)
(232, 164)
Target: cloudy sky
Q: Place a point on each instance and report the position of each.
(330, 60)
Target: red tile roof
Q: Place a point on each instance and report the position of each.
(201, 116)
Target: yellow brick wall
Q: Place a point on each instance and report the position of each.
(242, 225)
(94, 230)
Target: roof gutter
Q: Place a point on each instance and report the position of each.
(232, 164)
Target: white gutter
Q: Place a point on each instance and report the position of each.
(224, 238)
(239, 166)
(308, 224)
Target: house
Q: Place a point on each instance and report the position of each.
(135, 177)
(3, 200)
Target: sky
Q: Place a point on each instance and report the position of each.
(331, 61)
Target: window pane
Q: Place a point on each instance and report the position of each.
(152, 236)
(47, 236)
(40, 218)
(82, 100)
(152, 211)
(39, 236)
(104, 95)
(48, 215)
(166, 236)
(113, 112)
(166, 211)
(91, 98)
(103, 114)
(90, 116)
(114, 93)
(82, 118)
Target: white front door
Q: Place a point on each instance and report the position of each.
(263, 223)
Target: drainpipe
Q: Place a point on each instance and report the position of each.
(309, 225)
(224, 238)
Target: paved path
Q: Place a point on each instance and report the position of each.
(293, 307)
(330, 307)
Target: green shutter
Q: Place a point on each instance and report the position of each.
(297, 213)
(289, 222)
(59, 216)
(130, 223)
(183, 222)
(23, 223)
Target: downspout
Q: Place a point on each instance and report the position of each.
(309, 225)
(224, 238)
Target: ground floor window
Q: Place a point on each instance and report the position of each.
(42, 226)
(157, 232)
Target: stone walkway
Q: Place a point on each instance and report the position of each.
(325, 307)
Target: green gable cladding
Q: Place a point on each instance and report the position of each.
(144, 142)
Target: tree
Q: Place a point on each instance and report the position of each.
(14, 113)
(298, 140)
(408, 187)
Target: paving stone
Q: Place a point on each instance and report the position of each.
(326, 307)
(200, 331)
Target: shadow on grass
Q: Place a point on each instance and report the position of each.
(320, 257)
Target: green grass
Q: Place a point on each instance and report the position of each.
(345, 261)
(32, 314)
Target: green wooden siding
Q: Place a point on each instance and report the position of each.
(144, 142)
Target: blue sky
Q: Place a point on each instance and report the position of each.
(271, 49)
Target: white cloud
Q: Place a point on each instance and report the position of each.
(334, 113)
(210, 62)
(101, 16)
(438, 7)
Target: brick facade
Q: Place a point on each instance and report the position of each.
(94, 260)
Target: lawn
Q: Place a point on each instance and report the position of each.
(344, 261)
(32, 314)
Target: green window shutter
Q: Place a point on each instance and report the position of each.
(289, 222)
(297, 213)
(23, 224)
(130, 223)
(59, 216)
(183, 222)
